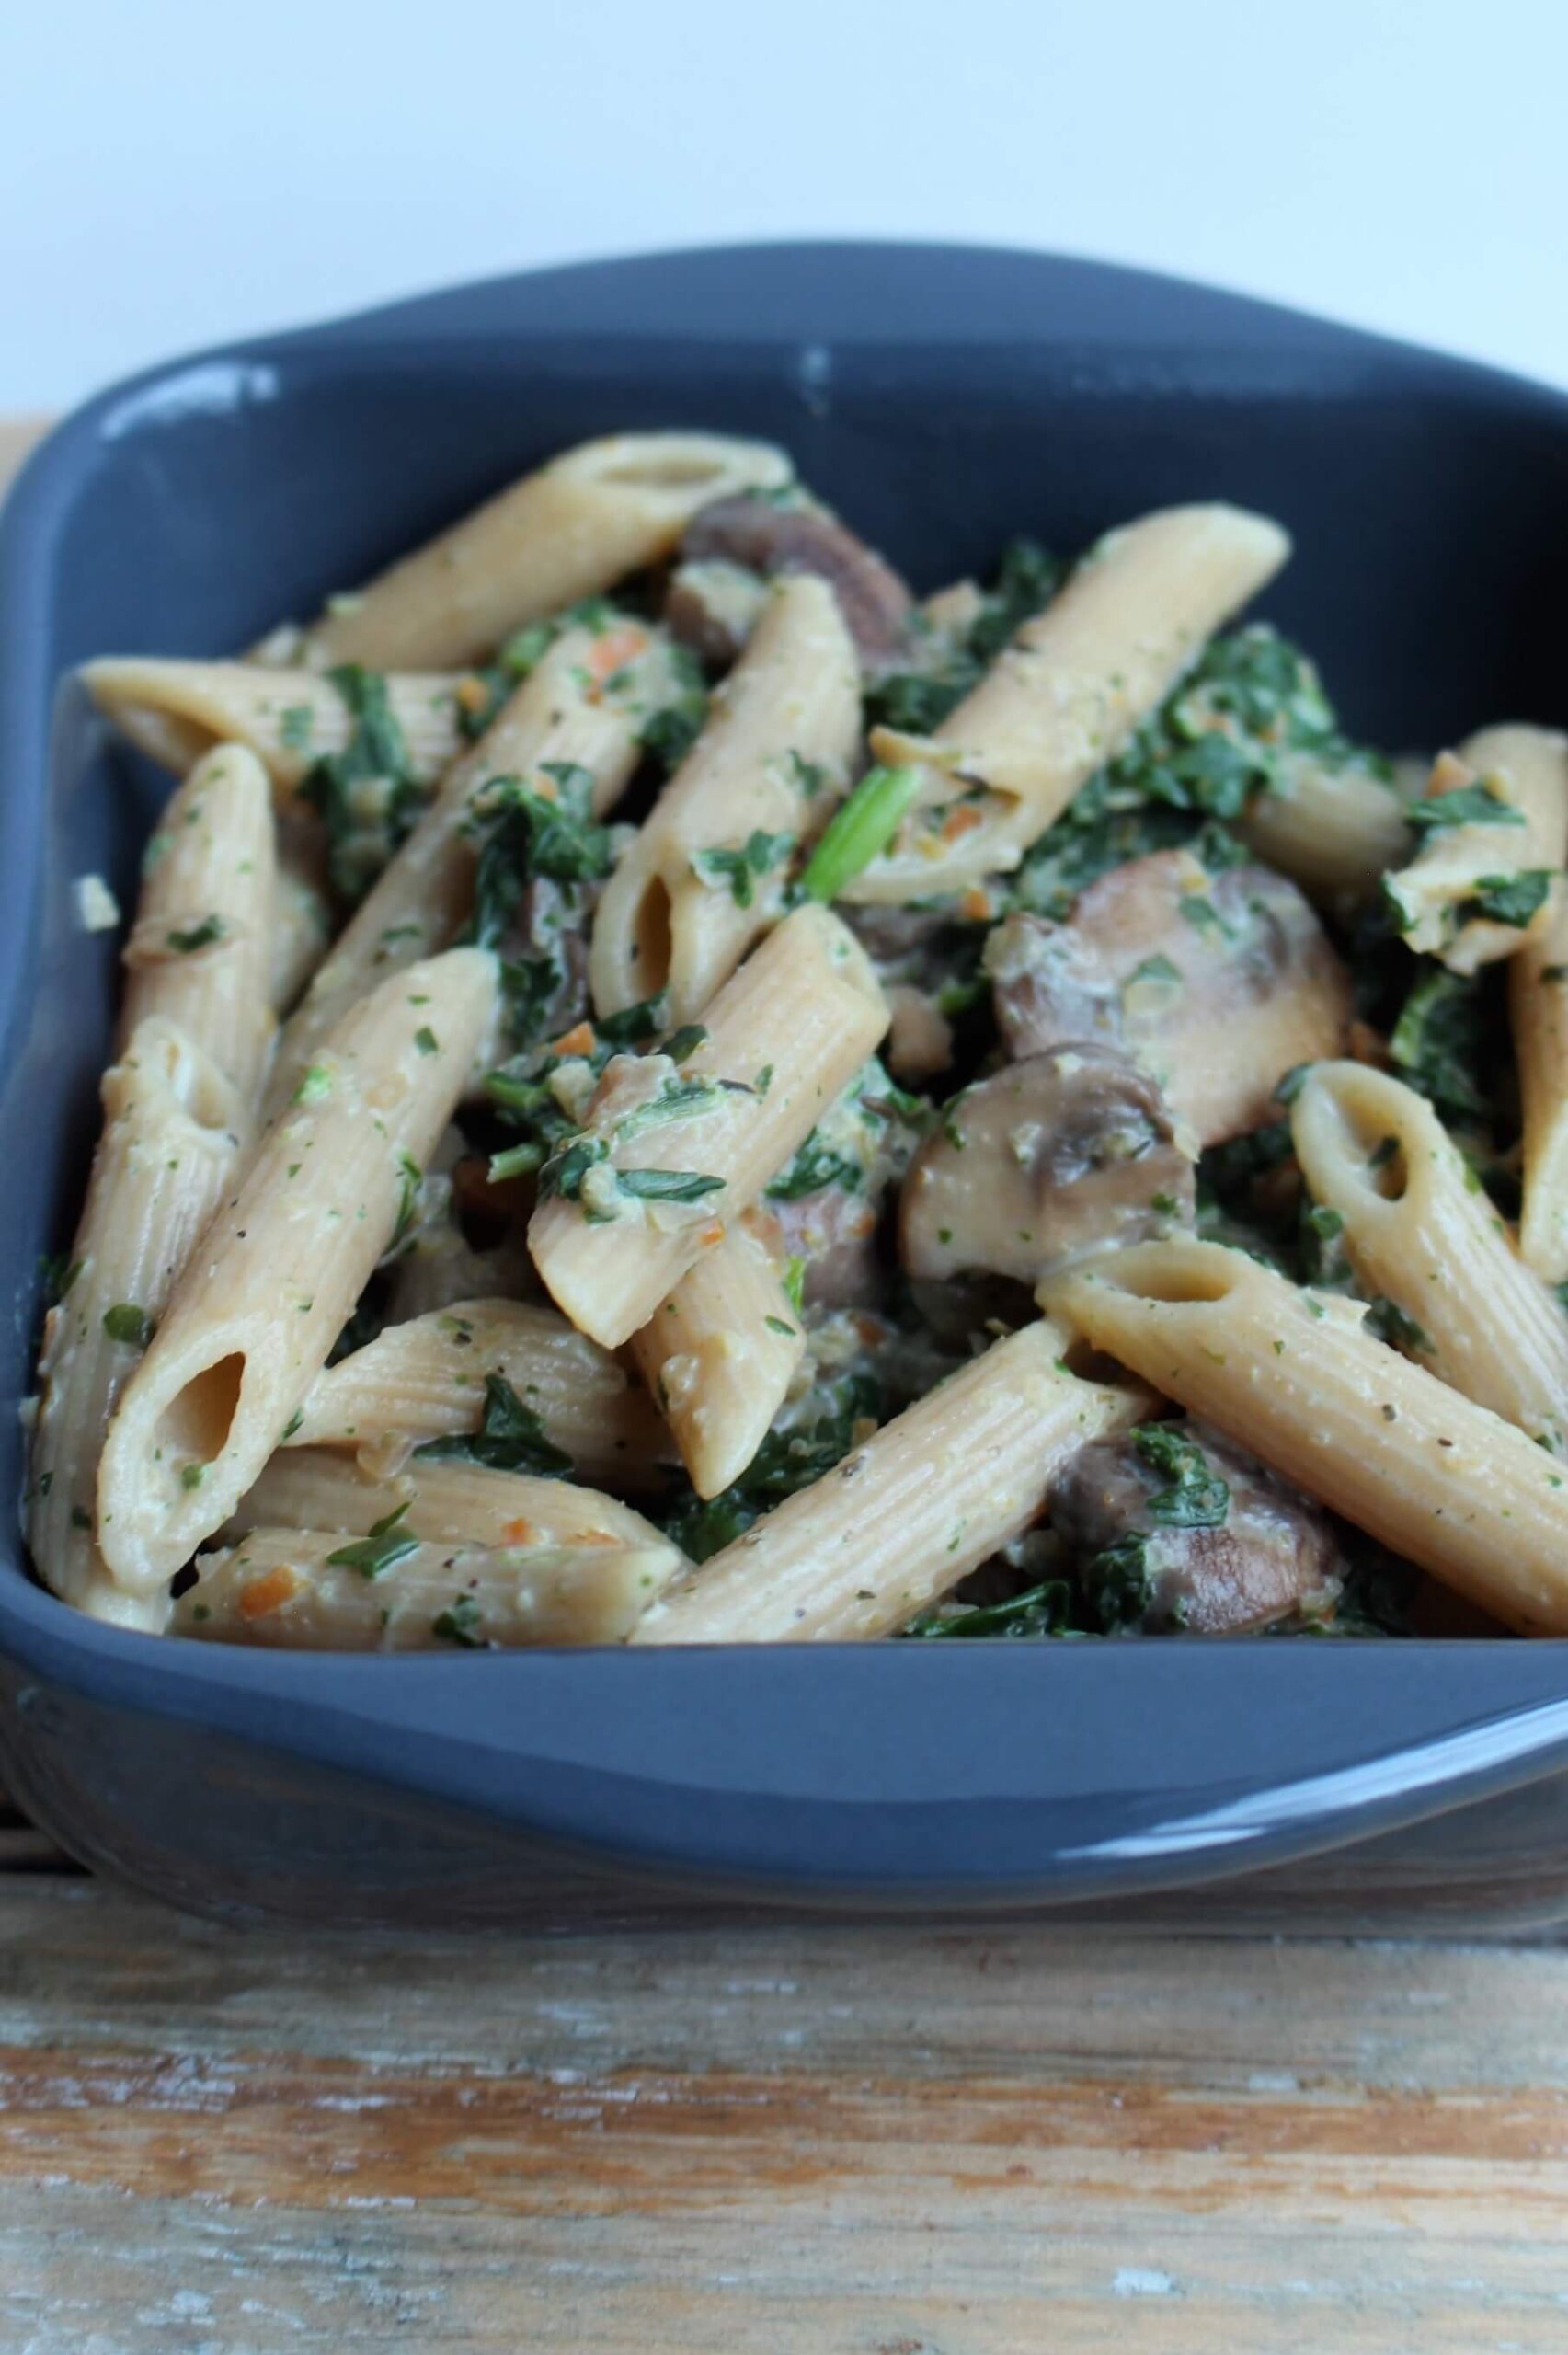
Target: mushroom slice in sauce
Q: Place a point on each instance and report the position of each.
(1227, 981)
(1049, 985)
(1056, 1157)
(1172, 1527)
(753, 535)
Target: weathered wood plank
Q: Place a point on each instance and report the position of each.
(877, 2142)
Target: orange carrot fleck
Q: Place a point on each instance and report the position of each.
(471, 693)
(974, 904)
(613, 651)
(268, 1593)
(519, 1533)
(577, 1040)
(960, 820)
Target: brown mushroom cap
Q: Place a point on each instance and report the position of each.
(1053, 1158)
(1274, 1556)
(1227, 981)
(762, 538)
(1049, 985)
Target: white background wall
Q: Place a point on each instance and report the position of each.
(173, 173)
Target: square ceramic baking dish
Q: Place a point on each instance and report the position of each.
(944, 398)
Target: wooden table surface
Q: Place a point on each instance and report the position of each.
(230, 2143)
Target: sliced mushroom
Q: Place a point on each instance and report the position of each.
(1053, 1158)
(1267, 1554)
(757, 536)
(1227, 981)
(1049, 985)
(834, 1232)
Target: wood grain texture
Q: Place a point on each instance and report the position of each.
(879, 2142)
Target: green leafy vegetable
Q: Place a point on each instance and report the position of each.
(387, 1543)
(1470, 805)
(368, 794)
(666, 1185)
(792, 1456)
(1386, 1321)
(1508, 898)
(130, 1325)
(60, 1272)
(1195, 1498)
(460, 1623)
(511, 1438)
(1441, 1041)
(1043, 1610)
(198, 936)
(739, 869)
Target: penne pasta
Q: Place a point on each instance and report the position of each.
(322, 1487)
(1334, 830)
(426, 1380)
(705, 876)
(559, 722)
(1293, 1376)
(946, 1484)
(251, 1321)
(670, 1155)
(290, 1589)
(302, 907)
(720, 1353)
(177, 712)
(374, 1324)
(569, 531)
(1538, 1014)
(1477, 887)
(1420, 1231)
(1066, 695)
(170, 1140)
(200, 955)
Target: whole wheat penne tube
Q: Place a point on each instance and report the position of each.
(720, 1353)
(262, 1300)
(426, 1380)
(1538, 1014)
(1066, 695)
(323, 1487)
(1419, 1230)
(1334, 832)
(176, 712)
(200, 951)
(561, 719)
(670, 1156)
(170, 1139)
(926, 1499)
(577, 526)
(283, 1589)
(1476, 891)
(705, 876)
(1293, 1376)
(303, 919)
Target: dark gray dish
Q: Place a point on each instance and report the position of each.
(945, 398)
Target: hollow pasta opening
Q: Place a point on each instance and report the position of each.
(653, 937)
(195, 1425)
(1180, 1279)
(1371, 1118)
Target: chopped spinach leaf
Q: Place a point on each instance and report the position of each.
(1195, 1498)
(128, 1325)
(385, 1544)
(511, 1438)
